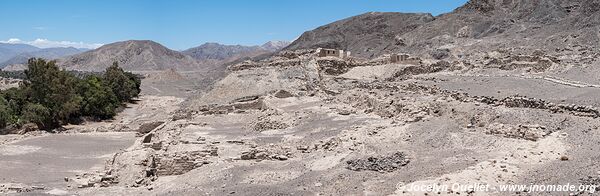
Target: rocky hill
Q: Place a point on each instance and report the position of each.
(523, 25)
(133, 55)
(366, 35)
(479, 25)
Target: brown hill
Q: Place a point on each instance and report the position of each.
(366, 35)
(132, 55)
(479, 25)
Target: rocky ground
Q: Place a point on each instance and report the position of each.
(300, 124)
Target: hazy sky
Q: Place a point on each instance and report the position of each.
(181, 24)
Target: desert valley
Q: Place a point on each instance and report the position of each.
(494, 93)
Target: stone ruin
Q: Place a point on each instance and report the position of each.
(536, 62)
(405, 59)
(333, 53)
(240, 104)
(181, 163)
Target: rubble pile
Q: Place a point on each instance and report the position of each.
(238, 105)
(516, 101)
(421, 69)
(264, 123)
(147, 127)
(14, 188)
(527, 132)
(336, 66)
(328, 145)
(274, 120)
(399, 106)
(535, 63)
(181, 162)
(267, 153)
(282, 59)
(379, 163)
(96, 179)
(252, 64)
(525, 102)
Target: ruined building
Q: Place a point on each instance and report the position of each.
(399, 58)
(333, 52)
(405, 59)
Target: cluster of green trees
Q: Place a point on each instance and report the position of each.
(50, 97)
(12, 74)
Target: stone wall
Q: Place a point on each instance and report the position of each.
(180, 163)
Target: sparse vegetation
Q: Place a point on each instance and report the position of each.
(50, 97)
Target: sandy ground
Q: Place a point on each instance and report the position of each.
(46, 161)
(39, 162)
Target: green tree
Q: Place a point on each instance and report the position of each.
(50, 97)
(5, 113)
(98, 99)
(137, 83)
(54, 89)
(39, 115)
(16, 99)
(126, 86)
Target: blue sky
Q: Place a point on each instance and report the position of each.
(181, 24)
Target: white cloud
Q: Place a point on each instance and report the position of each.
(45, 43)
(12, 41)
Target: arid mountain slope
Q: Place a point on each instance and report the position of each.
(547, 25)
(133, 55)
(524, 25)
(275, 45)
(366, 35)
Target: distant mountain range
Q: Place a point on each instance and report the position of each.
(135, 55)
(214, 53)
(275, 45)
(46, 53)
(19, 53)
(145, 55)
